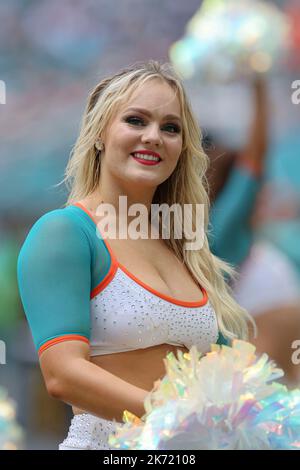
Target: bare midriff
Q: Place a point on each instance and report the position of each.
(141, 367)
(152, 262)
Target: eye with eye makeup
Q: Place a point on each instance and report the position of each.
(132, 119)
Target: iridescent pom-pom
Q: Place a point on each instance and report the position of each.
(227, 39)
(11, 435)
(226, 399)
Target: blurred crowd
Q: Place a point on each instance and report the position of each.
(52, 53)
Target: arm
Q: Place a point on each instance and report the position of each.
(71, 378)
(231, 235)
(231, 213)
(54, 276)
(253, 156)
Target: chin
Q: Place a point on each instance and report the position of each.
(140, 177)
(145, 182)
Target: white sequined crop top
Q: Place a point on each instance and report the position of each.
(126, 315)
(73, 287)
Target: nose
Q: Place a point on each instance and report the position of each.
(152, 135)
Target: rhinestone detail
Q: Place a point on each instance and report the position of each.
(125, 316)
(88, 432)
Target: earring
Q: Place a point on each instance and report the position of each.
(99, 145)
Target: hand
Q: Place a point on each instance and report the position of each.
(156, 385)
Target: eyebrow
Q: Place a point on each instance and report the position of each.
(147, 113)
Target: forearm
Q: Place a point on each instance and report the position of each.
(97, 391)
(256, 147)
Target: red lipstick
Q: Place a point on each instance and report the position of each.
(145, 161)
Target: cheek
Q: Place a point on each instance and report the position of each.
(172, 163)
(121, 137)
(117, 158)
(175, 151)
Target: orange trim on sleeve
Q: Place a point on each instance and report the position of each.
(78, 204)
(254, 168)
(114, 260)
(60, 339)
(108, 278)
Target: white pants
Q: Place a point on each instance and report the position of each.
(267, 280)
(88, 432)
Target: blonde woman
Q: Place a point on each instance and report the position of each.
(105, 311)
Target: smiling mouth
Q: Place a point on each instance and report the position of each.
(146, 159)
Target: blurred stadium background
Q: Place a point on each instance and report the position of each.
(52, 53)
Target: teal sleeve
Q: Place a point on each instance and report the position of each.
(230, 234)
(54, 278)
(223, 341)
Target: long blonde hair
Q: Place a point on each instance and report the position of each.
(186, 185)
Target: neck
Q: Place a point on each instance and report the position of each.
(122, 199)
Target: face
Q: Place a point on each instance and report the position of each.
(150, 127)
